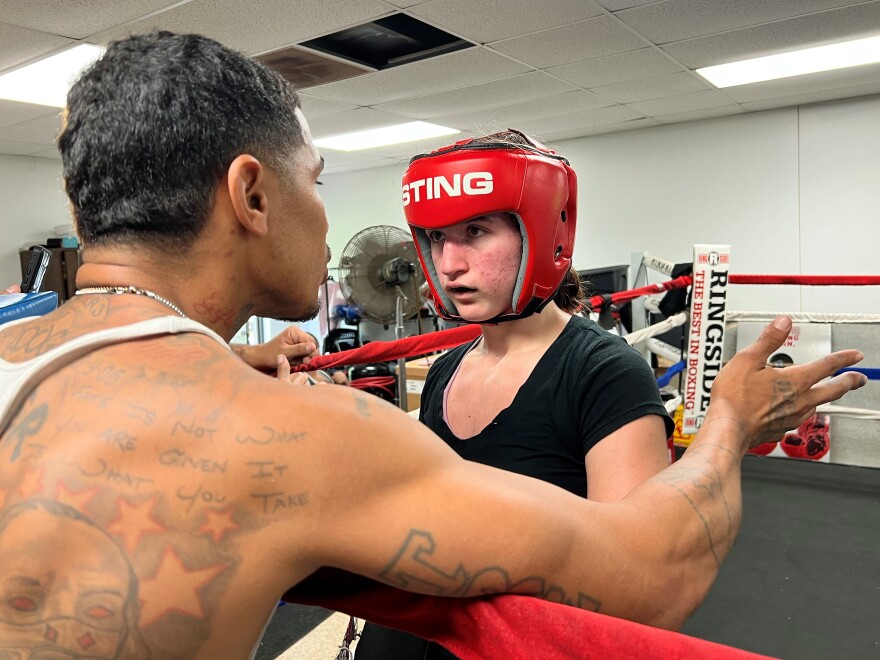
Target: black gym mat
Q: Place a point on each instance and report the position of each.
(289, 624)
(803, 580)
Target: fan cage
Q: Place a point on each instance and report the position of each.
(360, 273)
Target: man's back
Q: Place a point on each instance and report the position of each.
(132, 476)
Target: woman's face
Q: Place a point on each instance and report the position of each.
(477, 262)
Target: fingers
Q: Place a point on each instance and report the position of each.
(772, 337)
(296, 335)
(834, 388)
(293, 334)
(830, 364)
(261, 356)
(300, 378)
(12, 288)
(283, 373)
(301, 352)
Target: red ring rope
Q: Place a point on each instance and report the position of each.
(808, 280)
(385, 351)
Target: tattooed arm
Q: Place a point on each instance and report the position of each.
(407, 512)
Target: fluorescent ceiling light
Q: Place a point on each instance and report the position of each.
(46, 82)
(794, 63)
(380, 137)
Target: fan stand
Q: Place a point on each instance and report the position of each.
(401, 362)
(375, 264)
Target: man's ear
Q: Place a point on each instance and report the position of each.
(246, 181)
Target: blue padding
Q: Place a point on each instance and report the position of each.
(21, 305)
(872, 374)
(663, 381)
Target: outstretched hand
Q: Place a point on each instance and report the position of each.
(297, 345)
(12, 288)
(766, 401)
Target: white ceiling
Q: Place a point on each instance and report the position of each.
(555, 68)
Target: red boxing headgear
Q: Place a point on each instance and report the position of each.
(469, 179)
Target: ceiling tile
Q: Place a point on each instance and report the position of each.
(814, 97)
(617, 5)
(496, 119)
(41, 130)
(596, 37)
(617, 68)
(675, 20)
(358, 119)
(492, 20)
(641, 122)
(802, 32)
(478, 90)
(697, 115)
(256, 27)
(524, 87)
(12, 112)
(77, 19)
(683, 103)
(578, 120)
(314, 107)
(616, 127)
(403, 4)
(363, 165)
(812, 83)
(336, 159)
(403, 152)
(13, 148)
(652, 88)
(459, 69)
(19, 45)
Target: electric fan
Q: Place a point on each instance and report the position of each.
(379, 274)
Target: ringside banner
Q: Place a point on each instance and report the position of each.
(705, 334)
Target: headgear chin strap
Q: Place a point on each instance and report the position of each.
(469, 179)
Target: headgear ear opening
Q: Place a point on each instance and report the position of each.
(472, 178)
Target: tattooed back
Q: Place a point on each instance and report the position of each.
(134, 497)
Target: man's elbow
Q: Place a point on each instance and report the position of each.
(676, 596)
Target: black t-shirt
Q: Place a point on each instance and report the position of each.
(588, 384)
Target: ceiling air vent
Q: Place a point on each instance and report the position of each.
(388, 42)
(305, 68)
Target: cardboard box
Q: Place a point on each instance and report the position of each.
(416, 371)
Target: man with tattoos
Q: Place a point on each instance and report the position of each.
(172, 493)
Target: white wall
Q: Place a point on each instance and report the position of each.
(356, 200)
(32, 204)
(840, 201)
(793, 191)
(731, 180)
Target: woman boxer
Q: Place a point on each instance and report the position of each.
(543, 391)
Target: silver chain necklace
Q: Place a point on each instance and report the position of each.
(119, 290)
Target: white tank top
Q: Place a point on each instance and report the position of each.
(18, 379)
